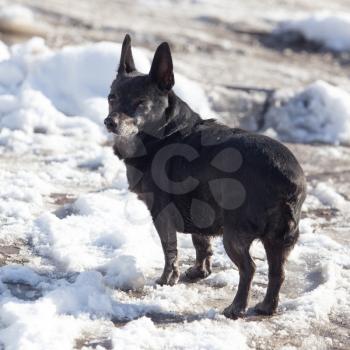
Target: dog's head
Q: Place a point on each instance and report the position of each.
(138, 101)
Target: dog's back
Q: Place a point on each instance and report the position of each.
(245, 175)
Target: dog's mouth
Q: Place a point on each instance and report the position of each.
(124, 128)
(112, 129)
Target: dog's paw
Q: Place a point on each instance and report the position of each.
(196, 273)
(169, 279)
(234, 311)
(264, 309)
(174, 278)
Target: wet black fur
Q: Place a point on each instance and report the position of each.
(262, 202)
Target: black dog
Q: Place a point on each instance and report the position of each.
(200, 177)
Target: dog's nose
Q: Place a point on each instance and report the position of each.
(109, 122)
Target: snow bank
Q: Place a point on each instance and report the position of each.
(77, 79)
(331, 30)
(41, 90)
(28, 118)
(318, 113)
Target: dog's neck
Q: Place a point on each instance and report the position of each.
(180, 118)
(177, 121)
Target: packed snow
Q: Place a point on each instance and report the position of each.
(332, 30)
(319, 112)
(93, 253)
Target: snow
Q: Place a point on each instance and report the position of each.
(319, 112)
(143, 334)
(77, 79)
(4, 52)
(19, 274)
(93, 253)
(330, 29)
(16, 13)
(329, 197)
(97, 239)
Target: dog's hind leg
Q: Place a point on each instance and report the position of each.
(204, 252)
(237, 248)
(276, 253)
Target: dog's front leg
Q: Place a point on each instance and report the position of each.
(167, 234)
(171, 272)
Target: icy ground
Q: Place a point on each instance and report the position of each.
(79, 254)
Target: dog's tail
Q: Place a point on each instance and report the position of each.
(292, 214)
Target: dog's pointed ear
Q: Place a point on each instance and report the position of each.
(162, 68)
(126, 64)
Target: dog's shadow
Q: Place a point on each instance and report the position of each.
(172, 317)
(167, 318)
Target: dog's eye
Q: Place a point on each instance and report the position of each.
(140, 103)
(111, 98)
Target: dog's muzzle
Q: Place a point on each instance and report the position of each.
(121, 125)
